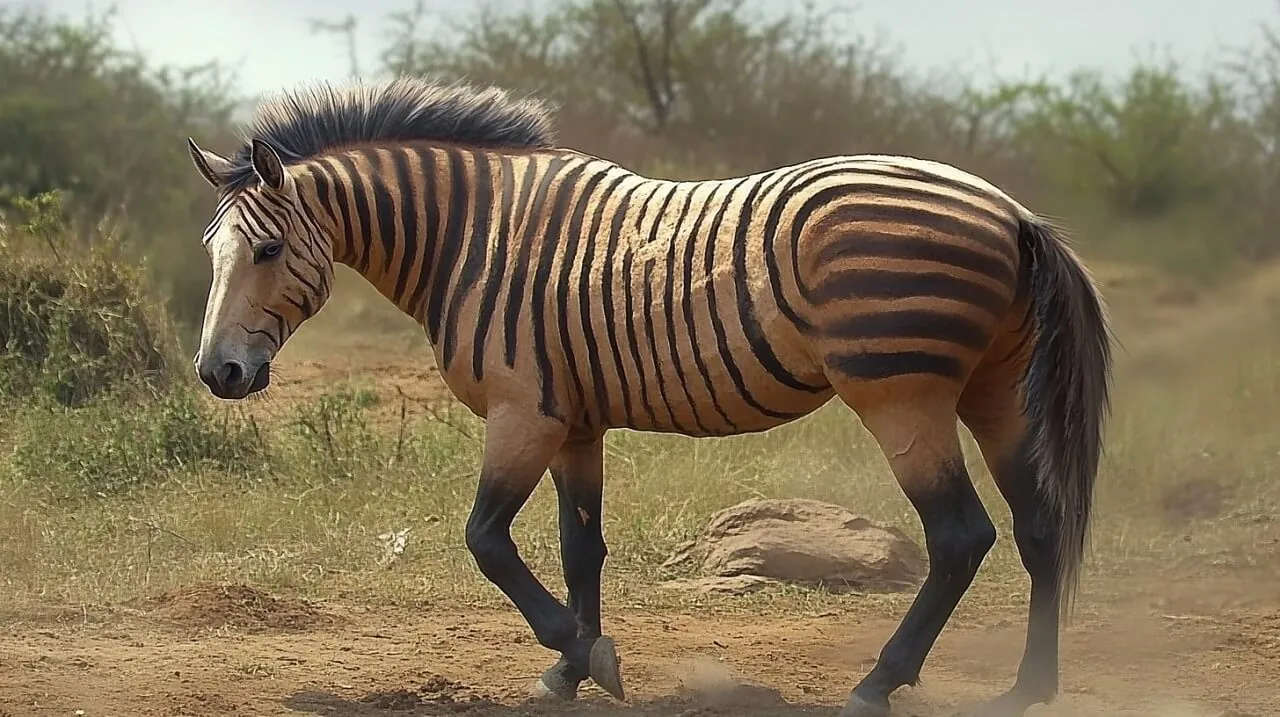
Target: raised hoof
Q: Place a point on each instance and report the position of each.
(553, 687)
(858, 707)
(605, 668)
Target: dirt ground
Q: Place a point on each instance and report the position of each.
(1199, 641)
(1163, 646)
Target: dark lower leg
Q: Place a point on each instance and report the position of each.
(958, 535)
(1035, 530)
(577, 473)
(498, 500)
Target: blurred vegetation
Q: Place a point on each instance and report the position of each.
(75, 320)
(1160, 166)
(105, 127)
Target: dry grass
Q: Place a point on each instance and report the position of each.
(1186, 482)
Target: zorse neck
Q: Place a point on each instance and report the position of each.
(400, 218)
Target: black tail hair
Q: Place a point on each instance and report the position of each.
(1068, 384)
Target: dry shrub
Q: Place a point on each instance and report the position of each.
(75, 319)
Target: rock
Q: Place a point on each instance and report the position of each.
(800, 541)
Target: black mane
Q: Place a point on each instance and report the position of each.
(311, 121)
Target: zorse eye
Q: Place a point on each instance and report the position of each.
(267, 250)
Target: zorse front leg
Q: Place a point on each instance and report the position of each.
(578, 472)
(518, 450)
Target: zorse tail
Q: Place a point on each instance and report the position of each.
(1067, 389)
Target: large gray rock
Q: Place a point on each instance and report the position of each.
(799, 541)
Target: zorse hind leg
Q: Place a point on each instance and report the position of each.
(918, 434)
(992, 409)
(578, 472)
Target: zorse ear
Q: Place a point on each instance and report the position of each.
(212, 166)
(267, 165)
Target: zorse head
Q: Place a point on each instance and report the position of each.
(272, 267)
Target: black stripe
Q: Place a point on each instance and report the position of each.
(282, 325)
(384, 208)
(886, 285)
(570, 251)
(431, 241)
(669, 306)
(359, 240)
(644, 209)
(324, 188)
(912, 324)
(319, 248)
(746, 306)
(722, 342)
(606, 283)
(455, 227)
(315, 290)
(652, 341)
(348, 256)
(497, 268)
(691, 326)
(897, 246)
(264, 221)
(977, 194)
(311, 238)
(277, 201)
(633, 340)
(519, 274)
(219, 213)
(307, 223)
(587, 299)
(549, 249)
(477, 241)
(303, 305)
(261, 332)
(408, 219)
(988, 236)
(792, 188)
(832, 194)
(654, 223)
(249, 226)
(871, 366)
(907, 215)
(911, 173)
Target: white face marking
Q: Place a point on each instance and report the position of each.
(235, 328)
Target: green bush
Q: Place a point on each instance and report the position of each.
(118, 443)
(75, 320)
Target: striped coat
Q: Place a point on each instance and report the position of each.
(565, 295)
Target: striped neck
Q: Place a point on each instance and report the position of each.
(399, 216)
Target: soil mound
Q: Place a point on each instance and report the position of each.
(240, 606)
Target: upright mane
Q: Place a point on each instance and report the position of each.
(310, 121)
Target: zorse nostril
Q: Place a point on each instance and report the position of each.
(232, 374)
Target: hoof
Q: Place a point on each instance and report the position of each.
(859, 707)
(552, 687)
(604, 667)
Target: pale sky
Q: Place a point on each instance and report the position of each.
(272, 47)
